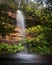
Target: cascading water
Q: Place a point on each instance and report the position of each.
(21, 25)
(20, 22)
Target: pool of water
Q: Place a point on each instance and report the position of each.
(22, 57)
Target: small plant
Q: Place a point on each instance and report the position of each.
(6, 48)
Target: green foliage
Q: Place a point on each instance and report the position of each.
(42, 50)
(28, 9)
(40, 31)
(38, 46)
(7, 48)
(41, 16)
(44, 16)
(41, 42)
(9, 3)
(37, 28)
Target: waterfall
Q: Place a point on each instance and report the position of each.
(21, 24)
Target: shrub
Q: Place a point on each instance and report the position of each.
(38, 46)
(41, 49)
(6, 48)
